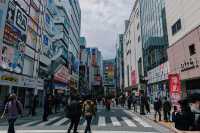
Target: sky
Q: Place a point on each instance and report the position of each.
(102, 21)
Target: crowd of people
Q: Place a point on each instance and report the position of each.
(185, 117)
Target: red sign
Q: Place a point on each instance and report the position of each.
(175, 88)
(133, 78)
(62, 75)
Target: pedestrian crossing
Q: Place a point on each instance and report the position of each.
(100, 121)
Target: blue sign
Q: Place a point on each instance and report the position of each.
(45, 40)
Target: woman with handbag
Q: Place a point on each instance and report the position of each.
(12, 109)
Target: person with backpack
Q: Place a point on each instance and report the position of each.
(166, 110)
(88, 110)
(13, 108)
(74, 113)
(157, 108)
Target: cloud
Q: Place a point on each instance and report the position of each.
(102, 21)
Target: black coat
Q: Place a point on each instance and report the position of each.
(167, 106)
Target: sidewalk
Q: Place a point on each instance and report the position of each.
(169, 125)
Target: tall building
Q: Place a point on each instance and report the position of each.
(70, 13)
(84, 68)
(133, 57)
(184, 51)
(154, 44)
(39, 44)
(119, 63)
(96, 72)
(109, 81)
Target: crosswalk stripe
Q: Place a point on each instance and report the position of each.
(139, 120)
(62, 121)
(29, 123)
(142, 122)
(101, 122)
(48, 122)
(128, 122)
(115, 122)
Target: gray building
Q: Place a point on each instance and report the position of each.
(119, 63)
(154, 43)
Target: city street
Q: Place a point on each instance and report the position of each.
(117, 120)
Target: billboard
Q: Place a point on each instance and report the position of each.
(109, 71)
(11, 59)
(133, 78)
(3, 13)
(175, 88)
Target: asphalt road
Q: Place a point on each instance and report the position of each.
(117, 120)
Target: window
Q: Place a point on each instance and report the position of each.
(138, 38)
(28, 66)
(176, 27)
(192, 49)
(138, 26)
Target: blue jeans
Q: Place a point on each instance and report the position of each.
(11, 128)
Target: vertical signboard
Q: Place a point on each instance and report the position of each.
(3, 13)
(133, 78)
(175, 88)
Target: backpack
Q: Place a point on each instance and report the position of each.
(88, 109)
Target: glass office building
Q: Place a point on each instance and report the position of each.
(154, 33)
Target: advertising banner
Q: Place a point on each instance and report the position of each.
(175, 88)
(11, 59)
(94, 60)
(133, 78)
(3, 13)
(62, 75)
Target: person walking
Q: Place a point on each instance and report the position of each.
(130, 101)
(88, 111)
(74, 110)
(166, 110)
(135, 103)
(147, 105)
(157, 109)
(13, 108)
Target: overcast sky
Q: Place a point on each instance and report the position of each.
(102, 21)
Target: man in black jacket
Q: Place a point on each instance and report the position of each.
(166, 110)
(74, 113)
(157, 108)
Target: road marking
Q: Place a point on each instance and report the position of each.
(129, 122)
(30, 123)
(62, 121)
(115, 121)
(102, 122)
(139, 120)
(64, 131)
(142, 122)
(48, 122)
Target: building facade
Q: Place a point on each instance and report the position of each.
(119, 63)
(36, 47)
(96, 72)
(133, 58)
(184, 33)
(109, 81)
(154, 45)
